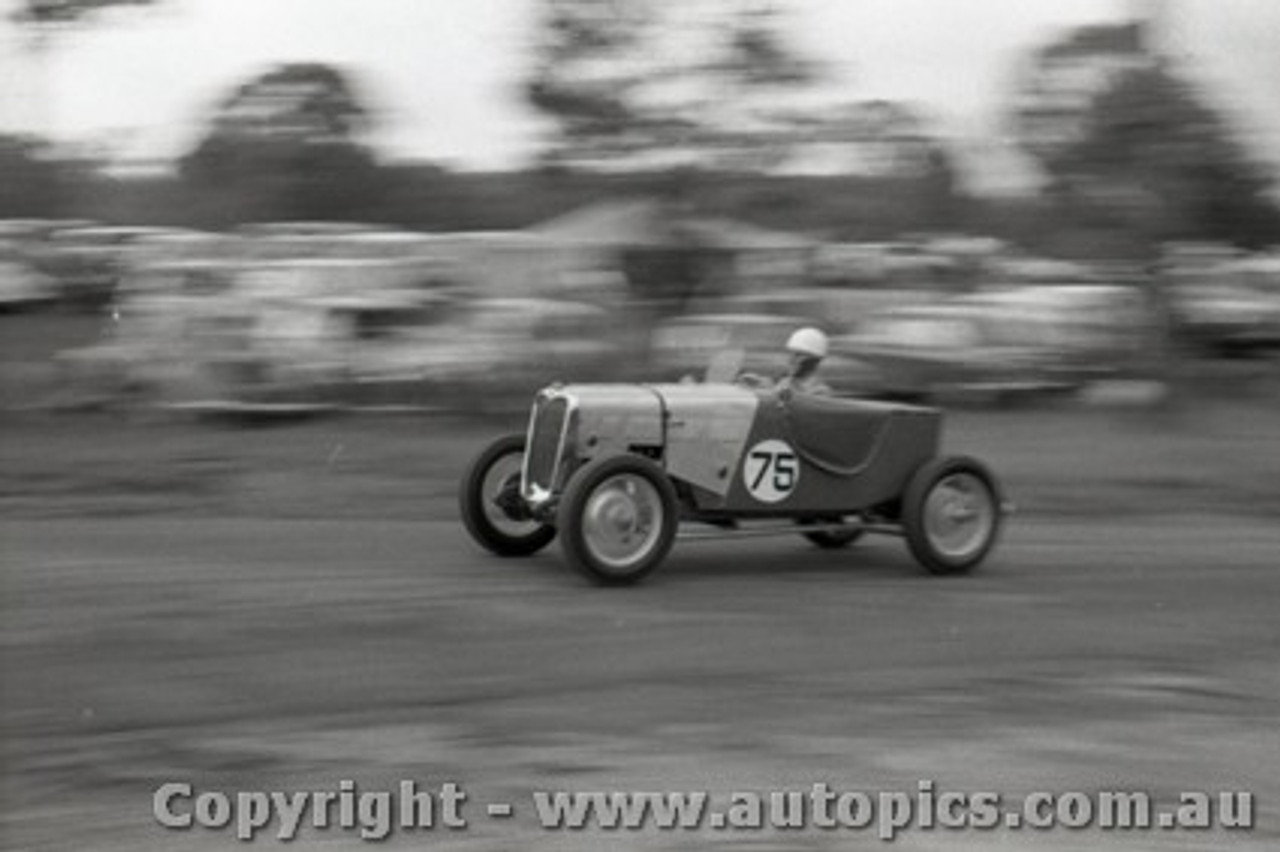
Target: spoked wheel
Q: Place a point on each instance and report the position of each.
(951, 514)
(831, 539)
(492, 509)
(617, 519)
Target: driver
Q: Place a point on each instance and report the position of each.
(808, 346)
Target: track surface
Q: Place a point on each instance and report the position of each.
(247, 654)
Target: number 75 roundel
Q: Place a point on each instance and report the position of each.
(771, 470)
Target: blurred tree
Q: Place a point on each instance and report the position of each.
(307, 101)
(1127, 144)
(675, 90)
(1132, 150)
(635, 84)
(1153, 155)
(56, 12)
(1060, 81)
(286, 145)
(579, 34)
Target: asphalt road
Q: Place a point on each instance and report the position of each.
(241, 654)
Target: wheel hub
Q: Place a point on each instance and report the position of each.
(509, 501)
(619, 522)
(504, 508)
(959, 511)
(959, 515)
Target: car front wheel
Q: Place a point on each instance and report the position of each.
(490, 502)
(617, 519)
(951, 514)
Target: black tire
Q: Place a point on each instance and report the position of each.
(831, 539)
(641, 500)
(484, 519)
(951, 514)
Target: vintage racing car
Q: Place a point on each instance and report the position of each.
(615, 469)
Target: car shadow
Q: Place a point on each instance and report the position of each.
(876, 560)
(782, 558)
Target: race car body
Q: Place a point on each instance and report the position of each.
(615, 468)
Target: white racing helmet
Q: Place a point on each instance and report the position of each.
(808, 341)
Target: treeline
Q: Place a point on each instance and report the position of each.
(433, 199)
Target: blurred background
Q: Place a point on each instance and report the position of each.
(242, 204)
(272, 270)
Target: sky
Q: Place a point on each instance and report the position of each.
(443, 76)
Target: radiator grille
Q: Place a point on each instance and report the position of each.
(542, 456)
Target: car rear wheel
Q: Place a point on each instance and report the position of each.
(951, 514)
(490, 502)
(617, 519)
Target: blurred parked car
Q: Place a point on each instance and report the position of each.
(512, 342)
(836, 309)
(893, 265)
(719, 346)
(1231, 307)
(948, 350)
(1089, 331)
(414, 346)
(89, 263)
(388, 337)
(176, 330)
(22, 286)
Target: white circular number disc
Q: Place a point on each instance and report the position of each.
(771, 471)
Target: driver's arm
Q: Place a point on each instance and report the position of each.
(753, 380)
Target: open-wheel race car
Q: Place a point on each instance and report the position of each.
(616, 469)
